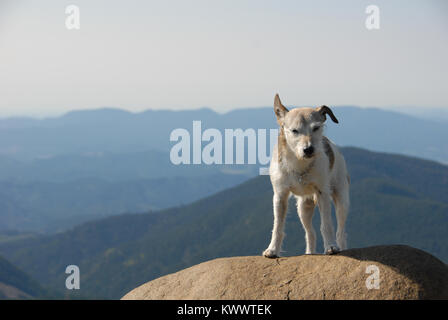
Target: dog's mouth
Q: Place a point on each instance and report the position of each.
(305, 156)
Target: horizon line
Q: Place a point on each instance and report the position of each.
(55, 115)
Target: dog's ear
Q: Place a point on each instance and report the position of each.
(324, 110)
(279, 109)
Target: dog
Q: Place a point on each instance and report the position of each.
(309, 166)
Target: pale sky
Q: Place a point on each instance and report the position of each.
(137, 54)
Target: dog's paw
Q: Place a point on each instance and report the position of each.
(332, 250)
(269, 253)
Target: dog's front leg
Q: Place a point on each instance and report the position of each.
(326, 226)
(280, 203)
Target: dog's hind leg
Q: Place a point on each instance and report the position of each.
(280, 203)
(326, 227)
(305, 210)
(341, 203)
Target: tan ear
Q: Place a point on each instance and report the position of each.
(324, 110)
(279, 109)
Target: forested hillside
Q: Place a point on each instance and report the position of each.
(395, 200)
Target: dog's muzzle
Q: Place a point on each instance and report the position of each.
(308, 152)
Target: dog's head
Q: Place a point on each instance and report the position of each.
(302, 127)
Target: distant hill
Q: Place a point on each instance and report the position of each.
(113, 167)
(56, 206)
(15, 284)
(395, 200)
(111, 130)
(58, 172)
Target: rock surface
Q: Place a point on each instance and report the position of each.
(404, 273)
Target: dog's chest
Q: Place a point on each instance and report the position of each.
(300, 184)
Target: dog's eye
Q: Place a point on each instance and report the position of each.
(315, 129)
(295, 131)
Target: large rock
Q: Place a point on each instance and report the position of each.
(404, 273)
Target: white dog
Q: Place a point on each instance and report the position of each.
(308, 165)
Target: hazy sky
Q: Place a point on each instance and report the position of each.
(138, 54)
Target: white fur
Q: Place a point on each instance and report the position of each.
(319, 185)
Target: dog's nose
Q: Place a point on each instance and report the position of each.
(308, 151)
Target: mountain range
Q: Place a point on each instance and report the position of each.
(58, 172)
(15, 284)
(395, 200)
(49, 207)
(109, 130)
